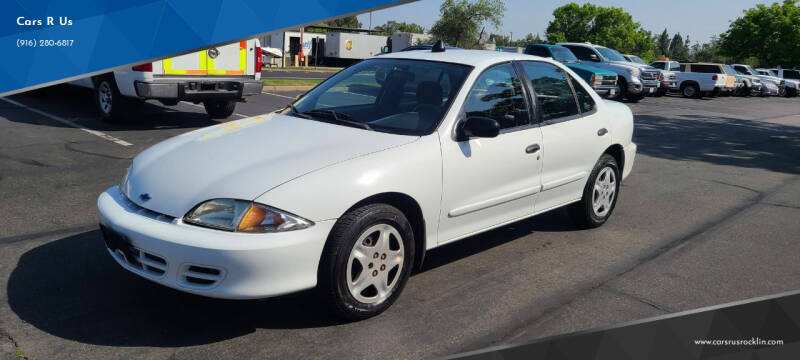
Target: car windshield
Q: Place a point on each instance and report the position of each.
(637, 59)
(746, 70)
(773, 73)
(729, 70)
(563, 54)
(611, 55)
(407, 97)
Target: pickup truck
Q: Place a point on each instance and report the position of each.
(770, 86)
(698, 80)
(603, 82)
(634, 80)
(784, 86)
(792, 79)
(218, 77)
(669, 79)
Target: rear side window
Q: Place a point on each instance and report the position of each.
(708, 69)
(581, 52)
(791, 74)
(585, 101)
(497, 94)
(538, 51)
(553, 90)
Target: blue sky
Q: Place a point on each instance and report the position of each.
(699, 18)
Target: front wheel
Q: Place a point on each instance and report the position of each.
(599, 195)
(219, 109)
(367, 261)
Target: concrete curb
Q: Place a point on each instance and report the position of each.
(274, 88)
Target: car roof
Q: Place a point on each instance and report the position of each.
(580, 44)
(545, 45)
(476, 58)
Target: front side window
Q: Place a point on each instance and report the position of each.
(552, 89)
(673, 66)
(407, 97)
(497, 94)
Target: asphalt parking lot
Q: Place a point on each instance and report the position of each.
(708, 216)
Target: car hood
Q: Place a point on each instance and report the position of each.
(590, 69)
(243, 159)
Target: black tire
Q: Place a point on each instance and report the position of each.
(690, 90)
(623, 89)
(333, 281)
(791, 92)
(582, 212)
(661, 92)
(219, 109)
(109, 103)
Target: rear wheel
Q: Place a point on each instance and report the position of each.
(599, 195)
(219, 109)
(690, 90)
(366, 261)
(110, 104)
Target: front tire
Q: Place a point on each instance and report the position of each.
(599, 195)
(219, 109)
(366, 261)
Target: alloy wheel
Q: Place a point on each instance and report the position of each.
(375, 264)
(605, 188)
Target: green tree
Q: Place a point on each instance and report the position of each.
(662, 44)
(677, 47)
(463, 22)
(346, 22)
(502, 40)
(392, 27)
(769, 33)
(607, 26)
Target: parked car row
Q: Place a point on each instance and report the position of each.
(628, 77)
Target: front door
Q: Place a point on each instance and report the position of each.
(490, 181)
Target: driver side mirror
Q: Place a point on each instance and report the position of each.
(477, 127)
(594, 58)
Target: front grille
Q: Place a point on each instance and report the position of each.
(606, 80)
(198, 276)
(649, 75)
(135, 208)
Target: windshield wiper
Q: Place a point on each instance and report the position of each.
(297, 113)
(337, 117)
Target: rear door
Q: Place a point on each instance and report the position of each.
(228, 59)
(190, 64)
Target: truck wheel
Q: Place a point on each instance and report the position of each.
(366, 261)
(623, 90)
(661, 92)
(690, 91)
(219, 109)
(782, 92)
(599, 195)
(791, 93)
(109, 102)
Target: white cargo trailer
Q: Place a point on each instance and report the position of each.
(402, 40)
(353, 46)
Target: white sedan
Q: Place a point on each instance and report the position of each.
(345, 189)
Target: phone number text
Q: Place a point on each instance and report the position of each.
(44, 43)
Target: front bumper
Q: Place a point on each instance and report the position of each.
(670, 85)
(198, 89)
(646, 86)
(228, 265)
(606, 90)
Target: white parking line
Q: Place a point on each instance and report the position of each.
(70, 123)
(279, 95)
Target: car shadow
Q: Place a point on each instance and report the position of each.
(76, 104)
(720, 140)
(73, 289)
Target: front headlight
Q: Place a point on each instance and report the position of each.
(244, 216)
(634, 72)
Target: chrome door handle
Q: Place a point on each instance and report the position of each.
(602, 132)
(532, 148)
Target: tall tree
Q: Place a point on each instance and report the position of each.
(463, 22)
(676, 47)
(392, 27)
(608, 26)
(769, 33)
(662, 47)
(346, 22)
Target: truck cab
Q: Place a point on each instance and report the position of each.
(634, 80)
(668, 69)
(218, 77)
(603, 82)
(791, 79)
